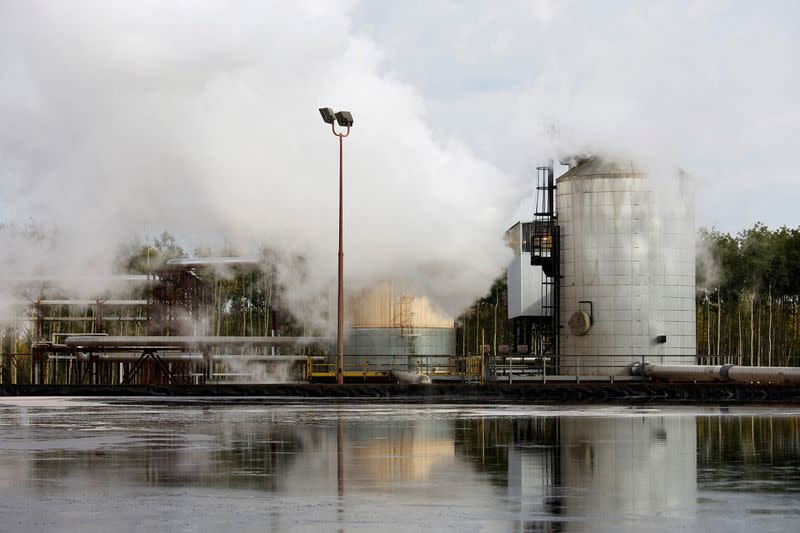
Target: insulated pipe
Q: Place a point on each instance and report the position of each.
(85, 341)
(86, 303)
(174, 357)
(735, 373)
(129, 278)
(772, 374)
(409, 377)
(679, 372)
(212, 261)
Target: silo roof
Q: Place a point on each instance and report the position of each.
(597, 167)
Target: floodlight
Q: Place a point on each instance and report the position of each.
(327, 114)
(344, 118)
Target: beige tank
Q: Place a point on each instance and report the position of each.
(388, 306)
(387, 320)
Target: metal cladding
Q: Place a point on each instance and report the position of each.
(734, 373)
(525, 291)
(627, 249)
(387, 305)
(386, 320)
(399, 342)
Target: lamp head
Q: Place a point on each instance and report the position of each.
(344, 118)
(327, 114)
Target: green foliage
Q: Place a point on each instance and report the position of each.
(749, 295)
(754, 261)
(139, 257)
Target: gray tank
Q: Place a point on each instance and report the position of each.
(627, 266)
(387, 320)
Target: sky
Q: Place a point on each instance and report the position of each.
(707, 85)
(124, 119)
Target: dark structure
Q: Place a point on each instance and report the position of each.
(180, 302)
(545, 246)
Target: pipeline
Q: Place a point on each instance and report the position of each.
(213, 261)
(197, 357)
(400, 376)
(708, 373)
(85, 341)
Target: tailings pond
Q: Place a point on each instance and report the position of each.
(71, 464)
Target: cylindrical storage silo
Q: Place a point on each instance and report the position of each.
(388, 320)
(627, 263)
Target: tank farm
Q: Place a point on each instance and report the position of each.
(601, 295)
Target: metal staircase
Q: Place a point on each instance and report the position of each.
(404, 319)
(545, 247)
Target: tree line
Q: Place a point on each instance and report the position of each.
(748, 291)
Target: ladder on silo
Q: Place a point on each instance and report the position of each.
(545, 252)
(404, 319)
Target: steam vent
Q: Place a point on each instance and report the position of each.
(627, 267)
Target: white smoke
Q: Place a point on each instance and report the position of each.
(704, 85)
(202, 119)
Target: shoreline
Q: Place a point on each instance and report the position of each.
(608, 393)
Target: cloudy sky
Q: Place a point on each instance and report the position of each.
(710, 85)
(128, 118)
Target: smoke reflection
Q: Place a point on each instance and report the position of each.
(306, 467)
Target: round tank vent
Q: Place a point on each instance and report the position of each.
(580, 323)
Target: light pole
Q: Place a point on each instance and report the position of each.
(345, 120)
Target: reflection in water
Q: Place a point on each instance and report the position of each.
(612, 469)
(129, 466)
(762, 451)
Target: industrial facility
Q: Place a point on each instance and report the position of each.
(601, 287)
(603, 275)
(602, 282)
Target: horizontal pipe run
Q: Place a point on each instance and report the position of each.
(173, 357)
(93, 318)
(213, 261)
(72, 281)
(189, 342)
(773, 374)
(401, 376)
(124, 357)
(524, 360)
(707, 373)
(84, 303)
(684, 372)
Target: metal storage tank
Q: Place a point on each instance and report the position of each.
(389, 320)
(627, 266)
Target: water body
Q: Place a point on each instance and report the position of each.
(109, 465)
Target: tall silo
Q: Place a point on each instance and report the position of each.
(627, 267)
(389, 320)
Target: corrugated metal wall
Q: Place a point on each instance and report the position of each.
(387, 320)
(388, 305)
(525, 289)
(630, 251)
(393, 341)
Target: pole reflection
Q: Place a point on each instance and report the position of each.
(408, 467)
